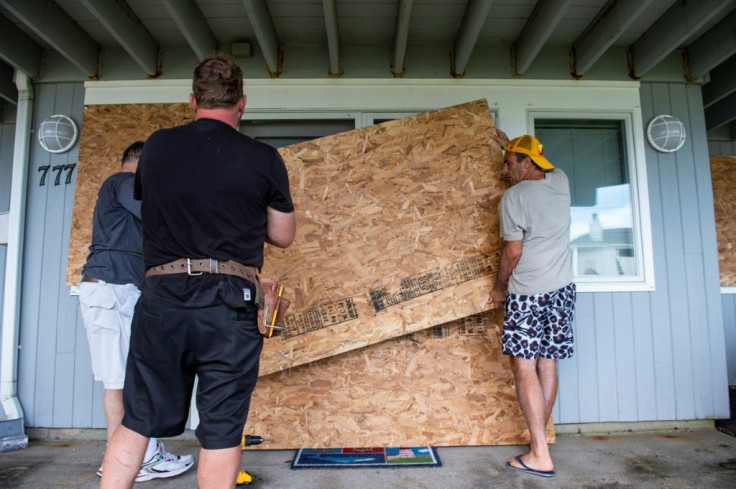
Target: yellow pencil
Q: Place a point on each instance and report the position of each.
(275, 311)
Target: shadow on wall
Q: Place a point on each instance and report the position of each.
(728, 426)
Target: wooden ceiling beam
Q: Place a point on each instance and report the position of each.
(537, 30)
(19, 50)
(403, 19)
(262, 22)
(191, 23)
(668, 33)
(714, 47)
(52, 24)
(476, 13)
(604, 31)
(333, 37)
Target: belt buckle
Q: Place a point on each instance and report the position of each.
(189, 268)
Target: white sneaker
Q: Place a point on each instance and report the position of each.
(164, 464)
(161, 465)
(185, 459)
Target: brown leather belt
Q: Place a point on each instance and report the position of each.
(87, 278)
(199, 266)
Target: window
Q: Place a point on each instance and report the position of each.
(285, 132)
(607, 240)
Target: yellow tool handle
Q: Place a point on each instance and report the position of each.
(275, 311)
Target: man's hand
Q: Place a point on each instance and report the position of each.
(497, 297)
(501, 138)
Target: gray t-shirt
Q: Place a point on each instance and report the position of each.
(538, 213)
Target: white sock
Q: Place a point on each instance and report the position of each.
(150, 449)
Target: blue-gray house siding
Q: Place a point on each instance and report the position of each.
(729, 325)
(55, 383)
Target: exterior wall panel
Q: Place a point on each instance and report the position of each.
(587, 362)
(689, 292)
(722, 148)
(605, 348)
(625, 336)
(729, 319)
(714, 336)
(643, 357)
(55, 381)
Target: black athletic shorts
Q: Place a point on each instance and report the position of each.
(169, 345)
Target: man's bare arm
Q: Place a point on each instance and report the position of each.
(509, 259)
(281, 228)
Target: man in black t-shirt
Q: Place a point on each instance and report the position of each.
(210, 199)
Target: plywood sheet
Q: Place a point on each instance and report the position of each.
(448, 385)
(397, 228)
(397, 232)
(106, 131)
(723, 174)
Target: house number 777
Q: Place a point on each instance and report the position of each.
(57, 169)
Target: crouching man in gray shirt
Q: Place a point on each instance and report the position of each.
(535, 285)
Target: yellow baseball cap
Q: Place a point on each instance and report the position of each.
(530, 146)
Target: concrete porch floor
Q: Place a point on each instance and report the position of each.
(704, 458)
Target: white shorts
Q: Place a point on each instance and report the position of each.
(107, 312)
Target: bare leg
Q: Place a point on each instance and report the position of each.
(547, 372)
(113, 402)
(123, 459)
(218, 469)
(533, 405)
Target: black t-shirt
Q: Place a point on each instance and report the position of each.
(204, 189)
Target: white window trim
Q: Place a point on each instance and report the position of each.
(361, 118)
(368, 118)
(311, 115)
(634, 146)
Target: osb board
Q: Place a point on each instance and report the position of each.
(445, 386)
(397, 231)
(106, 131)
(397, 225)
(723, 174)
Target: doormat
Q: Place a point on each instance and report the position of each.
(313, 458)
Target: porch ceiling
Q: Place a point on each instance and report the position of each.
(82, 31)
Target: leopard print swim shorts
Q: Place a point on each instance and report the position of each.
(539, 325)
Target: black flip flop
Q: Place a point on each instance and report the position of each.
(529, 470)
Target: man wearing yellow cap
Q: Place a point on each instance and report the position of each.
(535, 285)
